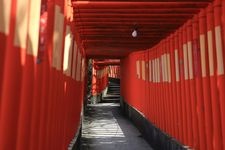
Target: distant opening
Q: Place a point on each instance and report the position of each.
(104, 126)
(103, 81)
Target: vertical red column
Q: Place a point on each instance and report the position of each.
(161, 78)
(159, 114)
(182, 85)
(52, 12)
(198, 83)
(168, 89)
(173, 86)
(143, 74)
(160, 87)
(166, 82)
(193, 103)
(94, 82)
(152, 88)
(156, 116)
(216, 115)
(178, 89)
(205, 78)
(170, 86)
(55, 71)
(220, 55)
(157, 97)
(146, 83)
(14, 60)
(27, 88)
(42, 89)
(5, 11)
(187, 86)
(149, 87)
(164, 76)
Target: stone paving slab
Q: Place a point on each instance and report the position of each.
(104, 128)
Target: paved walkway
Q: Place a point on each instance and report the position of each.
(104, 128)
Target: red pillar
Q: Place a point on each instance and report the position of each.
(178, 87)
(173, 86)
(170, 86)
(205, 78)
(186, 86)
(216, 115)
(182, 85)
(193, 99)
(11, 85)
(28, 77)
(198, 83)
(220, 55)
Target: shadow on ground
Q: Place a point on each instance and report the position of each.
(104, 128)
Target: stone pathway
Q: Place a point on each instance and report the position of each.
(104, 128)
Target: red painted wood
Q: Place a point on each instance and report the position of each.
(197, 75)
(11, 88)
(182, 86)
(218, 17)
(205, 83)
(3, 38)
(216, 115)
(193, 99)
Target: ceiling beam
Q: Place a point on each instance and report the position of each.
(148, 19)
(130, 15)
(127, 23)
(146, 0)
(138, 11)
(138, 5)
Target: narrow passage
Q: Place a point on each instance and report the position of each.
(104, 128)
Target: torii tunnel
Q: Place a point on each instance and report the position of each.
(64, 63)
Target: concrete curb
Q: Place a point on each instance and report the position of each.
(158, 139)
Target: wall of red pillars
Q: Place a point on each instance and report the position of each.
(179, 84)
(42, 71)
(114, 72)
(99, 79)
(101, 75)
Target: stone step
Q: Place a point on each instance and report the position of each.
(112, 100)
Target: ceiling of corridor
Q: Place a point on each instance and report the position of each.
(105, 27)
